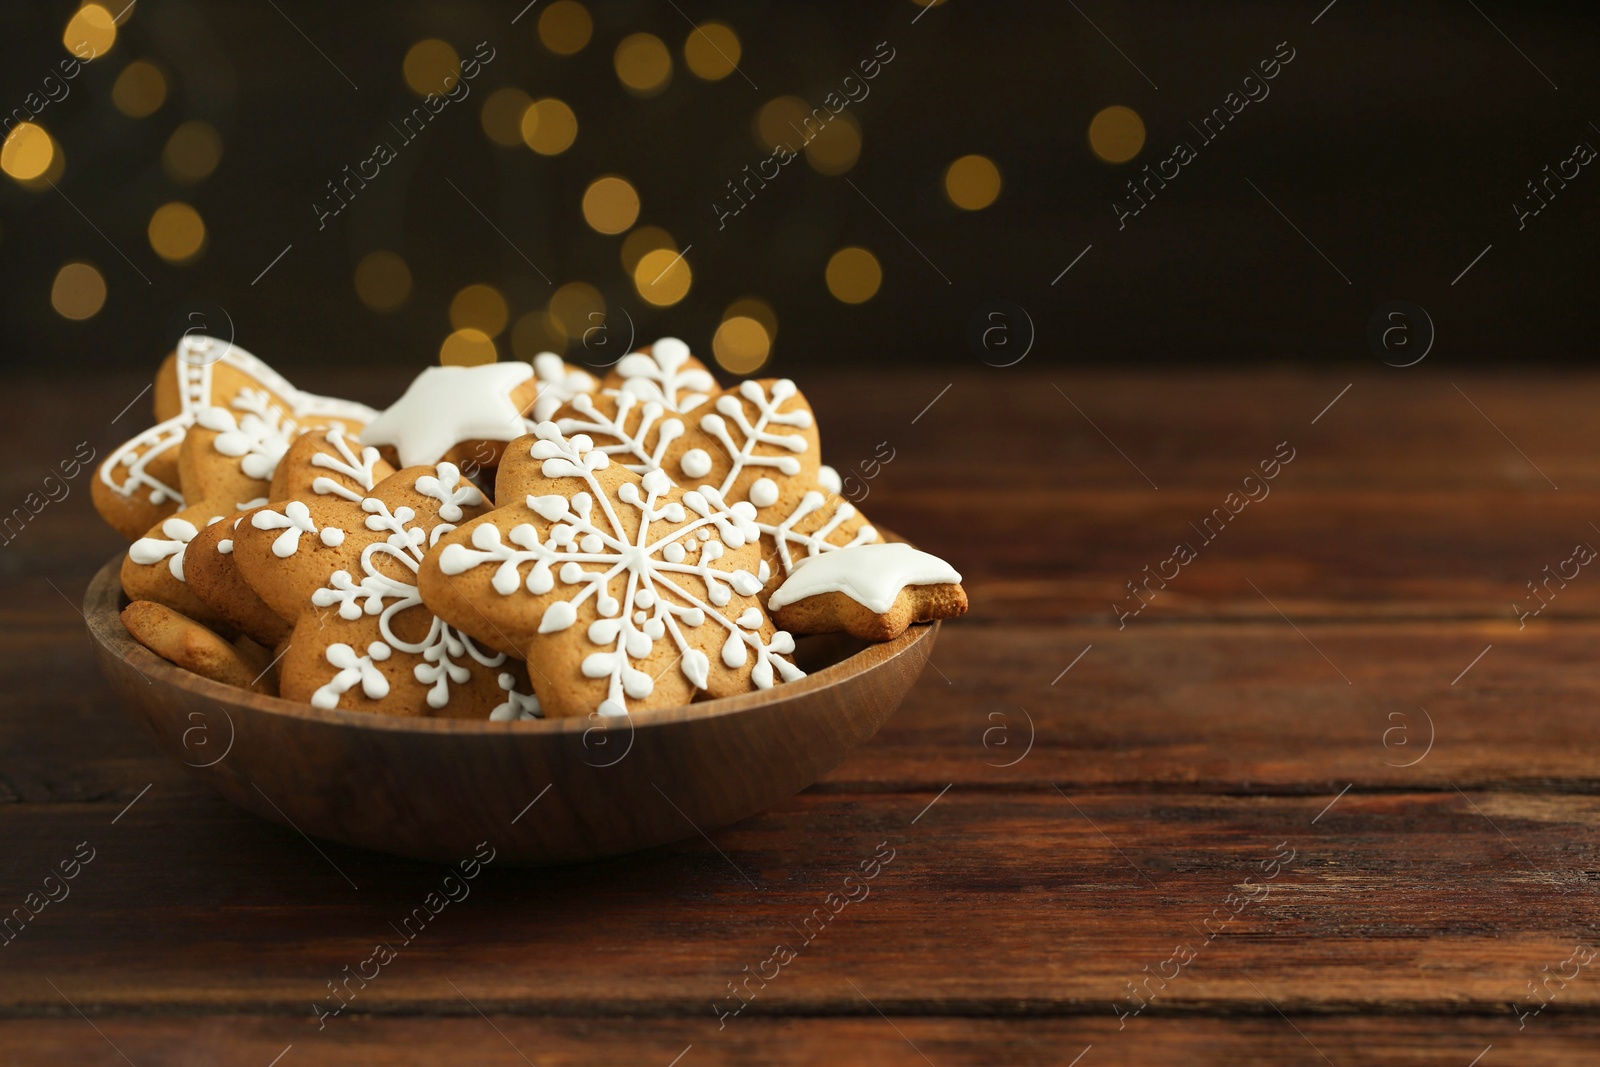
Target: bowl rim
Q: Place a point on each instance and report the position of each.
(102, 611)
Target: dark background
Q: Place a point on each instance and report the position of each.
(1397, 141)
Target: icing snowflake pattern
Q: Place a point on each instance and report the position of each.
(379, 593)
(588, 551)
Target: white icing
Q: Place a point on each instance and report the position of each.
(353, 669)
(559, 382)
(787, 540)
(662, 375)
(630, 447)
(443, 649)
(517, 707)
(170, 547)
(753, 434)
(829, 479)
(196, 357)
(444, 406)
(586, 547)
(361, 470)
(451, 490)
(871, 575)
(696, 463)
(294, 520)
(764, 492)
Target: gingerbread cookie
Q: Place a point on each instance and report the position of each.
(319, 462)
(155, 567)
(139, 484)
(456, 414)
(180, 640)
(638, 412)
(758, 442)
(559, 382)
(344, 572)
(666, 373)
(623, 591)
(871, 591)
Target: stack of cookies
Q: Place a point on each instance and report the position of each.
(506, 541)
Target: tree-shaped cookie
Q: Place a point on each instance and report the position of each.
(623, 591)
(639, 410)
(345, 571)
(757, 442)
(139, 483)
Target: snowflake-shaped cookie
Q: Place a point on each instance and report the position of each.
(345, 571)
(623, 591)
(139, 483)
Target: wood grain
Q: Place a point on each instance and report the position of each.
(1282, 689)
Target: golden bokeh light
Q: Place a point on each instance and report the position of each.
(662, 277)
(644, 240)
(643, 64)
(741, 345)
(972, 182)
(192, 152)
(1116, 134)
(479, 307)
(467, 348)
(177, 232)
(79, 292)
(383, 280)
(502, 116)
(535, 332)
(753, 307)
(577, 307)
(853, 275)
(90, 33)
(610, 205)
(780, 122)
(711, 51)
(28, 152)
(140, 89)
(549, 127)
(836, 148)
(565, 27)
(431, 66)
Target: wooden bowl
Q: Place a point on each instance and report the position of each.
(541, 792)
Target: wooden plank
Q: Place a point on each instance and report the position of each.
(1235, 708)
(514, 1041)
(1213, 708)
(991, 903)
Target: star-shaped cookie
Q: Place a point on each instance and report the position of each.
(139, 483)
(456, 414)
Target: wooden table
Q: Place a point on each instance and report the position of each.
(1326, 784)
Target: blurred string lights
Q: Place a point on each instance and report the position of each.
(483, 324)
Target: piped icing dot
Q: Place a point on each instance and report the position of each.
(764, 492)
(696, 463)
